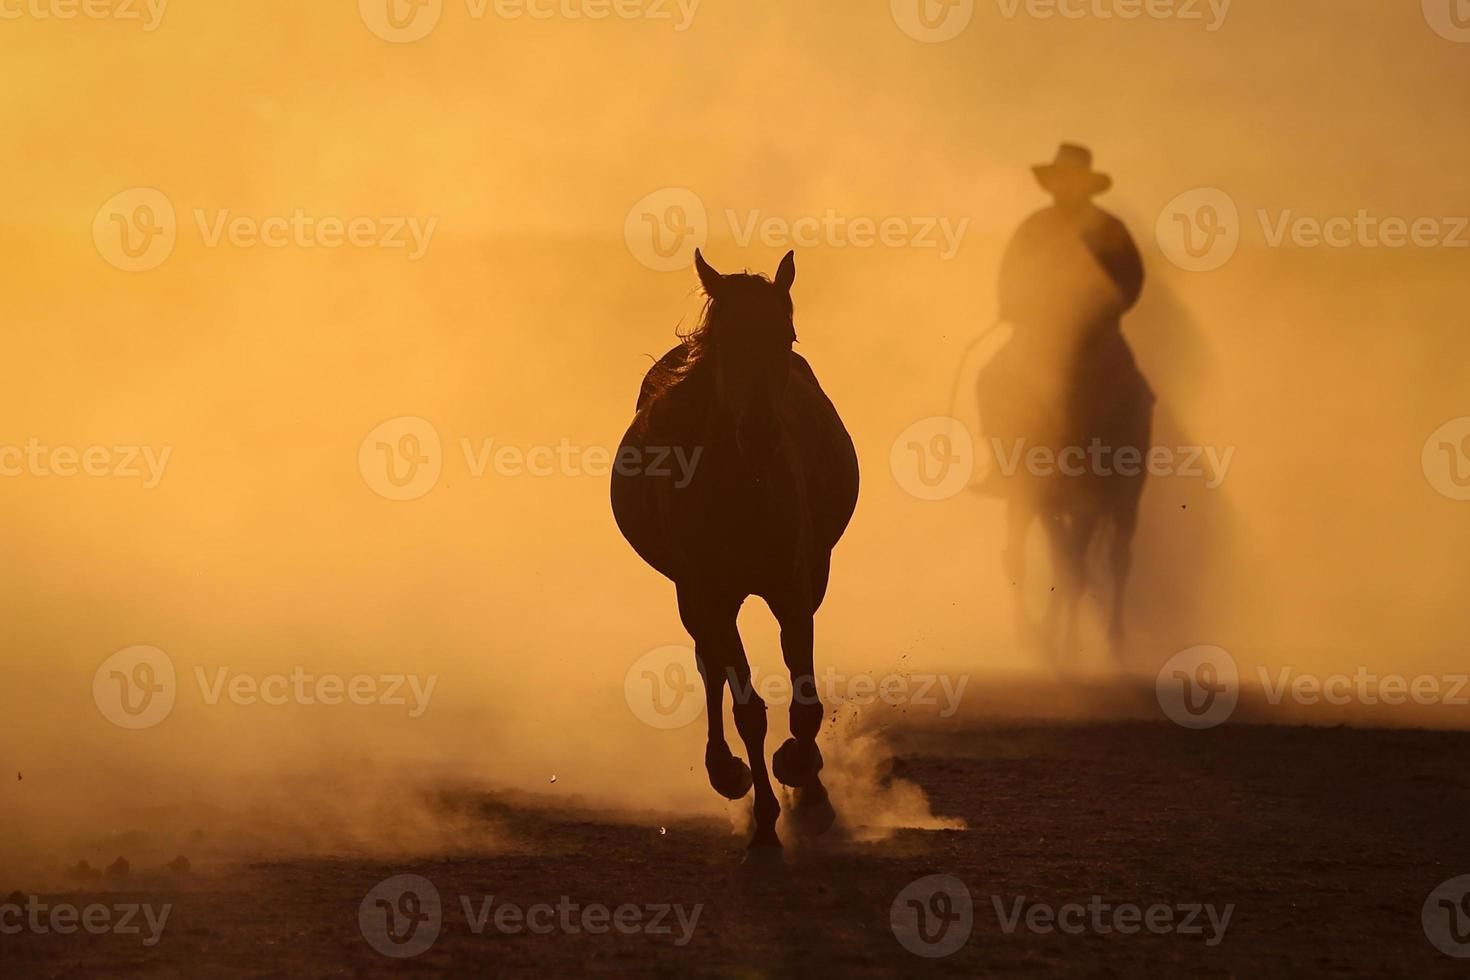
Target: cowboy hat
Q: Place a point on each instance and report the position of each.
(1071, 161)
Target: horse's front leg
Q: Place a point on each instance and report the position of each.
(717, 649)
(1021, 513)
(750, 721)
(1071, 538)
(1125, 524)
(798, 762)
(728, 774)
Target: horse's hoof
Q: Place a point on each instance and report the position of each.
(795, 763)
(764, 856)
(813, 811)
(730, 777)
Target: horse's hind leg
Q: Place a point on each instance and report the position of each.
(1070, 536)
(1120, 555)
(1020, 514)
(1127, 494)
(716, 646)
(1084, 527)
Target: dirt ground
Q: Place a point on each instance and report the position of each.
(1326, 842)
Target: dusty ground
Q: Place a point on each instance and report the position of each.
(1326, 841)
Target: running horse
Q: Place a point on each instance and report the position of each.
(773, 489)
(1068, 401)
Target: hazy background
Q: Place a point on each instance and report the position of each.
(264, 548)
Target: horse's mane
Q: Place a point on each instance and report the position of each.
(675, 367)
(669, 371)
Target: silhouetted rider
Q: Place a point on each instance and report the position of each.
(1072, 270)
(1069, 274)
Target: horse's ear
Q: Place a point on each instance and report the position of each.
(708, 277)
(786, 274)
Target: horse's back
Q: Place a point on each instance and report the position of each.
(1058, 399)
(1061, 398)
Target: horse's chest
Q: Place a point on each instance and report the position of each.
(748, 523)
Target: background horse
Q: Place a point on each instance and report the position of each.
(774, 486)
(1048, 391)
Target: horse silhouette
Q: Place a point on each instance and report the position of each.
(1068, 404)
(1067, 382)
(773, 490)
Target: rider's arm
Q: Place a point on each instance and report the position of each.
(1123, 263)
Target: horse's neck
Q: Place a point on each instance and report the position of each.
(694, 411)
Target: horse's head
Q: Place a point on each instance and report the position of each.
(750, 333)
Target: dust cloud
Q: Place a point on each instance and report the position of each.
(264, 550)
